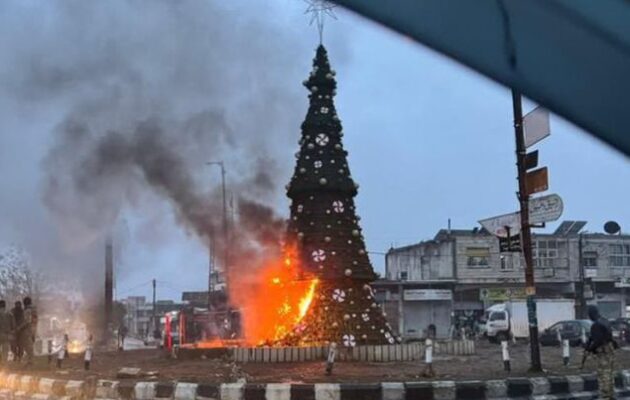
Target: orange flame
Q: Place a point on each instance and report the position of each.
(305, 302)
(273, 300)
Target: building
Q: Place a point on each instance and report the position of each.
(459, 273)
(139, 317)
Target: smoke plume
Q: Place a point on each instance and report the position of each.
(126, 101)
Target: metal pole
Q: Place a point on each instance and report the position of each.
(210, 267)
(526, 240)
(226, 238)
(155, 322)
(109, 284)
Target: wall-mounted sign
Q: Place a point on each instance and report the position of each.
(510, 245)
(427, 294)
(590, 273)
(502, 294)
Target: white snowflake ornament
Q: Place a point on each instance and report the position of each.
(365, 317)
(324, 110)
(339, 295)
(318, 255)
(318, 164)
(338, 206)
(349, 341)
(322, 139)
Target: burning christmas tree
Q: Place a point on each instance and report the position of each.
(325, 228)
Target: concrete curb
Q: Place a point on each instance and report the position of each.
(18, 387)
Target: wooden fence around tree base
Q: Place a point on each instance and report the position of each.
(384, 353)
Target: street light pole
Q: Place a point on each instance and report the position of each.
(225, 218)
(526, 239)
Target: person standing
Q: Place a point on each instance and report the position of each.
(602, 346)
(6, 327)
(122, 334)
(28, 329)
(17, 319)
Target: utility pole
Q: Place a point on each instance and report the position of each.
(155, 321)
(109, 285)
(226, 238)
(526, 239)
(582, 313)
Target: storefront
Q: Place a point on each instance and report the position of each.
(412, 307)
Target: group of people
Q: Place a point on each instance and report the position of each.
(17, 330)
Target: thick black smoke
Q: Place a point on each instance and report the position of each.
(148, 157)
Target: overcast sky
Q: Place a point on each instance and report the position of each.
(428, 139)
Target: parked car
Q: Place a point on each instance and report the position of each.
(572, 330)
(621, 331)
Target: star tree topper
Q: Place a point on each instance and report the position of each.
(319, 10)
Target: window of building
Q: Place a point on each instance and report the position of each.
(403, 275)
(545, 252)
(507, 263)
(619, 255)
(589, 258)
(478, 257)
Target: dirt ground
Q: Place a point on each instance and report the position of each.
(486, 364)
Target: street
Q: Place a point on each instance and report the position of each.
(487, 364)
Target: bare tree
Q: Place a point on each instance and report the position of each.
(17, 278)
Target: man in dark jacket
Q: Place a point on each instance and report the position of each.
(602, 345)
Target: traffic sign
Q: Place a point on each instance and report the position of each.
(536, 126)
(531, 160)
(545, 209)
(537, 181)
(498, 226)
(541, 209)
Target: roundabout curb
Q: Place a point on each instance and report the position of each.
(23, 387)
